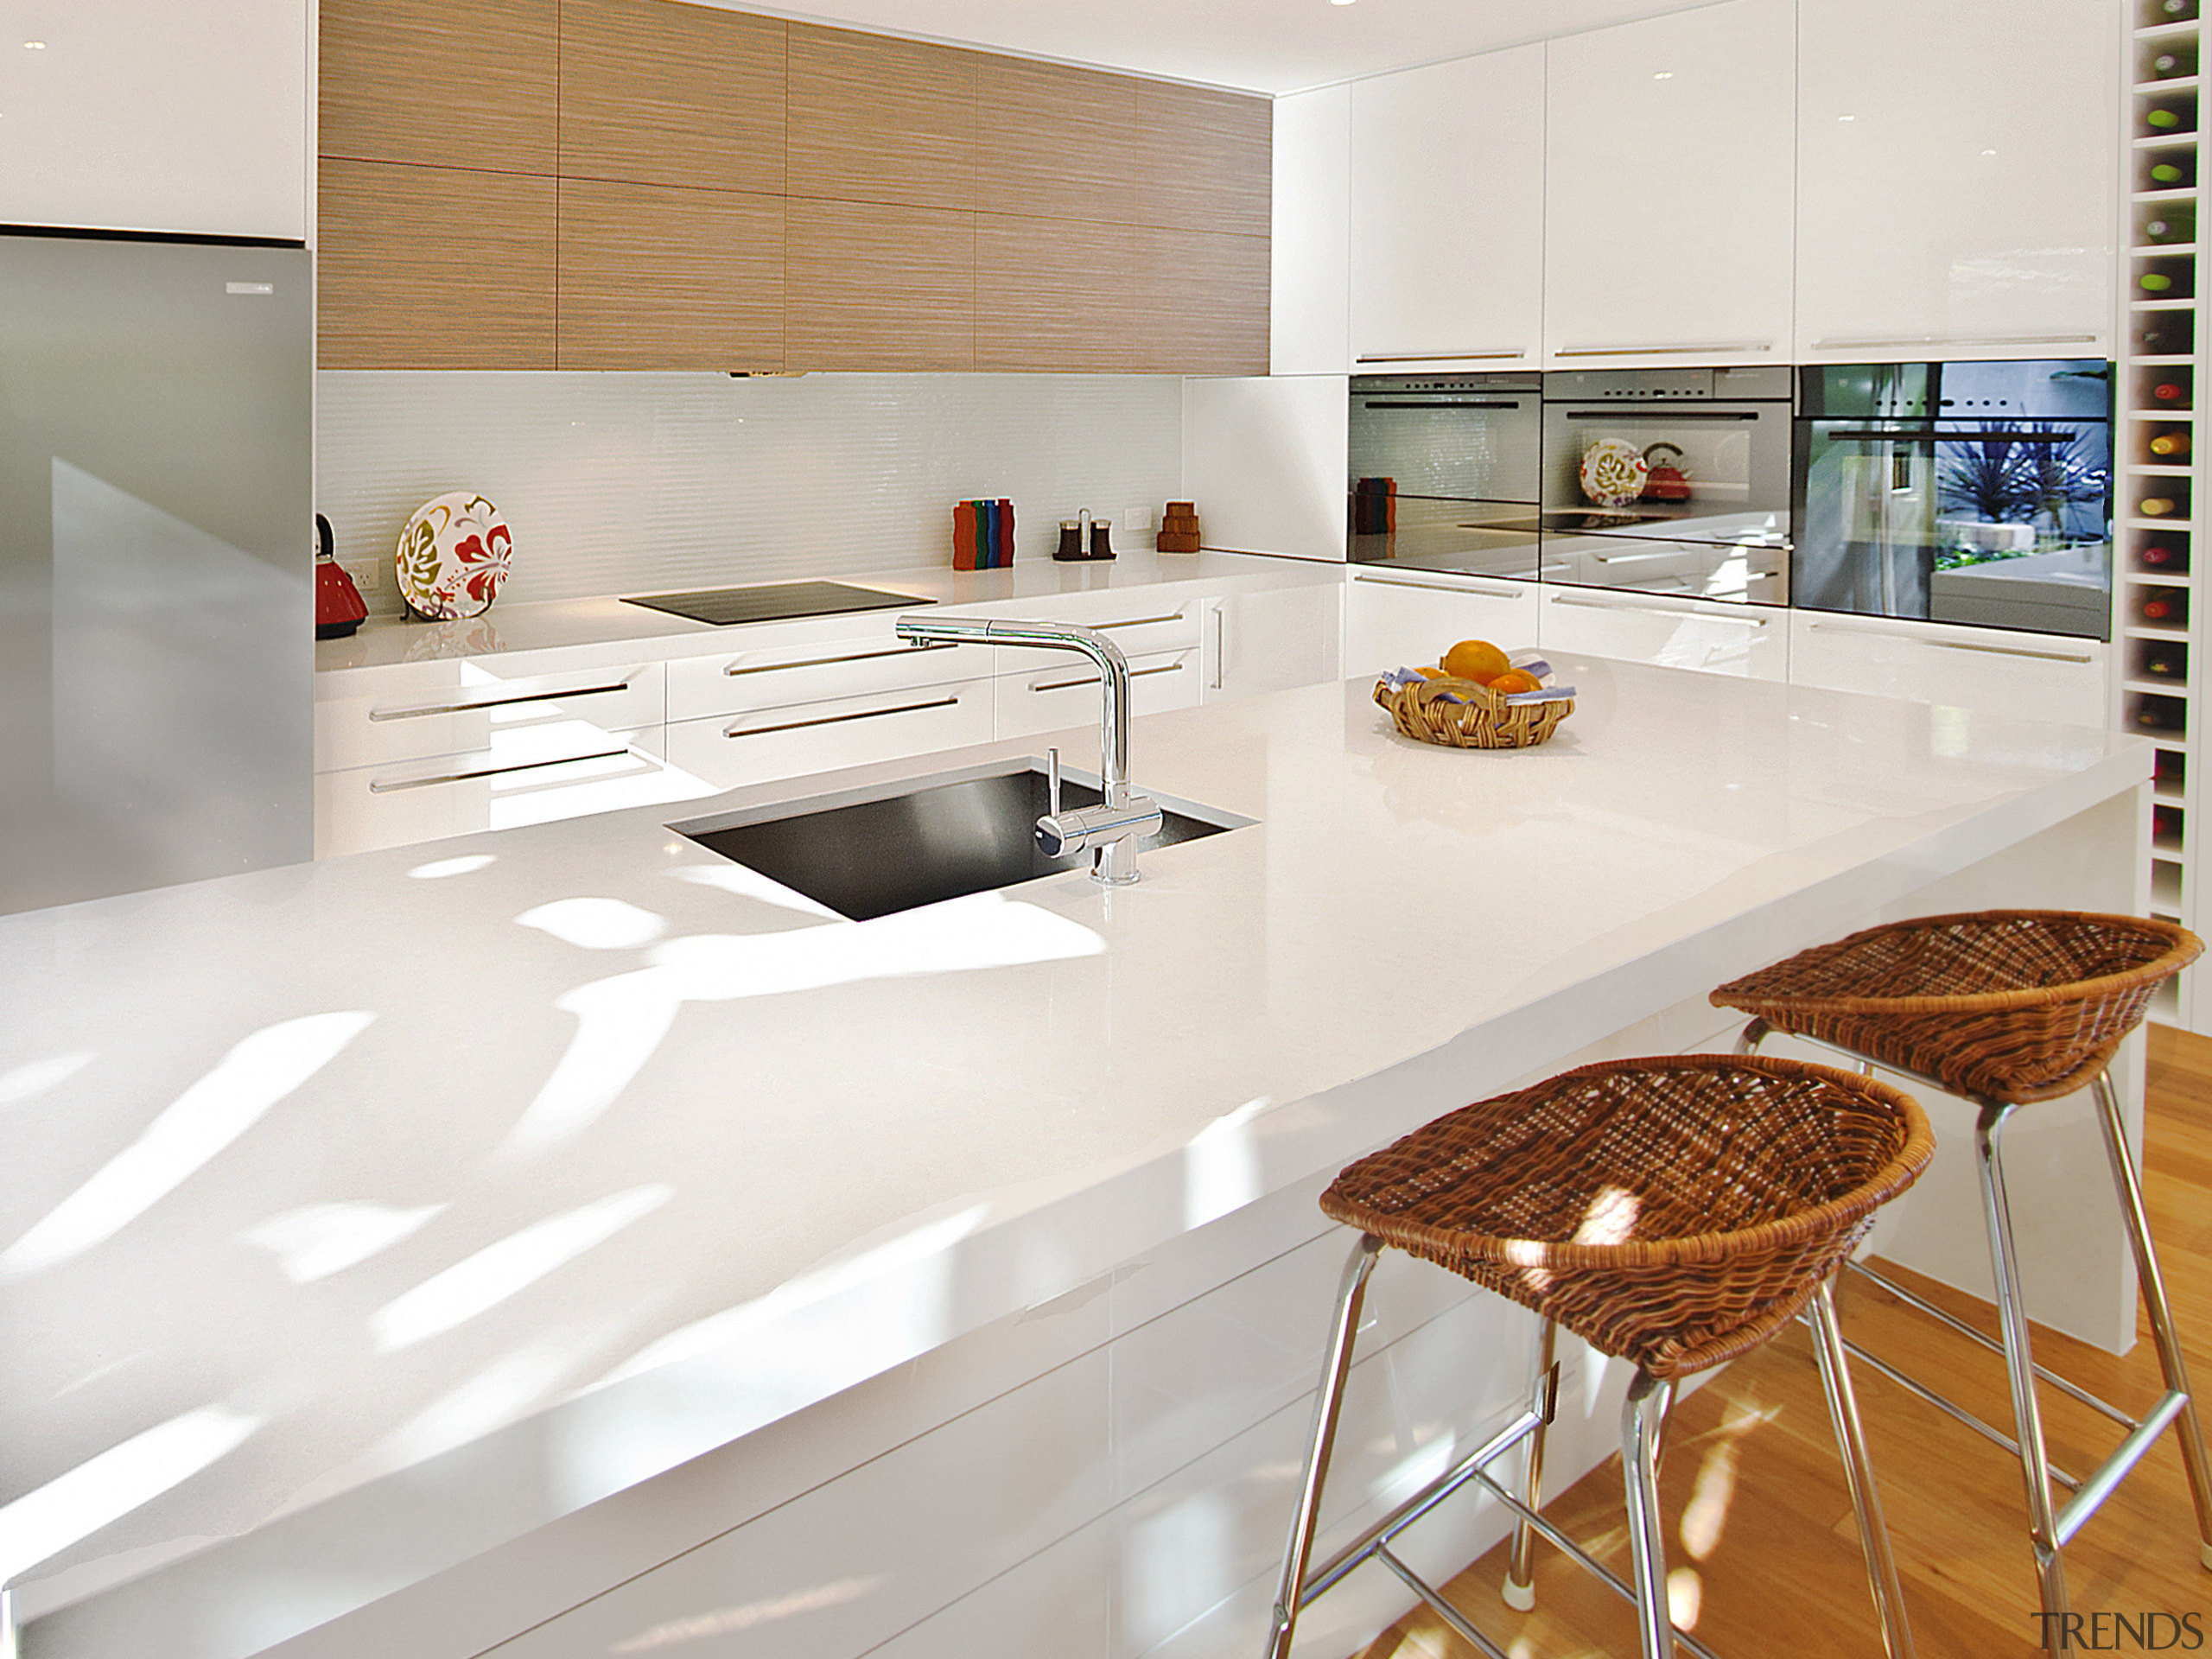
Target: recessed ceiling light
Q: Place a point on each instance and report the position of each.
(1664, 74)
(33, 46)
(1340, 3)
(1847, 117)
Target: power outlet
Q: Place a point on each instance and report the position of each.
(1136, 519)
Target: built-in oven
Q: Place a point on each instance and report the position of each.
(1444, 472)
(1975, 492)
(1670, 482)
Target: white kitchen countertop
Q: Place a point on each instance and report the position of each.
(562, 623)
(319, 1174)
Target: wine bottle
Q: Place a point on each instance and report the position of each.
(2158, 506)
(2174, 11)
(2169, 66)
(2166, 605)
(2156, 283)
(2170, 391)
(2159, 714)
(2164, 555)
(2166, 662)
(2171, 446)
(2166, 334)
(2174, 224)
(2161, 119)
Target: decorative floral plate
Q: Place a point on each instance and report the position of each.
(452, 555)
(1613, 472)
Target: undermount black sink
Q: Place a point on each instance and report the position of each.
(921, 840)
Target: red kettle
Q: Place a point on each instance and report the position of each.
(1664, 479)
(339, 606)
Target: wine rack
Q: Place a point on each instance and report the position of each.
(2162, 520)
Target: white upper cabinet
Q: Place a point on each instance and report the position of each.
(1668, 189)
(1955, 179)
(118, 115)
(1447, 215)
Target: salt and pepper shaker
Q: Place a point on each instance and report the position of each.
(1102, 538)
(1071, 548)
(1084, 538)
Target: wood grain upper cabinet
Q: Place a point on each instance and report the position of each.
(875, 285)
(1055, 143)
(1447, 213)
(442, 83)
(653, 277)
(1668, 189)
(1198, 305)
(875, 120)
(657, 92)
(1955, 180)
(391, 297)
(1202, 158)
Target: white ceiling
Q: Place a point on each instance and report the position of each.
(1262, 45)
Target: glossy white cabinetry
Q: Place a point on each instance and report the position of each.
(1067, 694)
(761, 744)
(1752, 640)
(1668, 189)
(1984, 670)
(1401, 619)
(1447, 215)
(1955, 179)
(1309, 251)
(1271, 639)
(117, 115)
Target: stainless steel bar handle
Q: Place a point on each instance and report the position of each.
(1699, 349)
(1658, 610)
(545, 688)
(1435, 357)
(1092, 679)
(1220, 644)
(1446, 587)
(389, 784)
(838, 720)
(735, 668)
(1953, 644)
(1956, 339)
(1138, 622)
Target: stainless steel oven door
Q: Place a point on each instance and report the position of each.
(1663, 499)
(1444, 472)
(2002, 522)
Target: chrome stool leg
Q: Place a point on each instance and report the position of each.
(1519, 1590)
(1641, 1416)
(1350, 1294)
(1859, 1473)
(2130, 1187)
(2019, 1364)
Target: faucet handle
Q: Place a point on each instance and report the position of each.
(1052, 782)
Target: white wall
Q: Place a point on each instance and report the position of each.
(191, 116)
(1264, 459)
(622, 483)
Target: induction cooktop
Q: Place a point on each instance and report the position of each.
(774, 601)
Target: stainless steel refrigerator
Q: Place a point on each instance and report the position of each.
(156, 579)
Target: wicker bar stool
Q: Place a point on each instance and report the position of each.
(1673, 1213)
(2006, 1009)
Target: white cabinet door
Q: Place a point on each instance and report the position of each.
(1447, 214)
(118, 115)
(1273, 639)
(764, 744)
(1751, 640)
(1067, 693)
(1955, 178)
(1393, 620)
(1986, 670)
(1668, 188)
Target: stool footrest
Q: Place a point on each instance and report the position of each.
(2064, 1385)
(2115, 1468)
(1371, 1542)
(1951, 1409)
(1443, 1609)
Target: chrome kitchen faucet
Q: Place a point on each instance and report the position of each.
(1110, 828)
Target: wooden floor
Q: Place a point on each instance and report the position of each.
(1759, 1529)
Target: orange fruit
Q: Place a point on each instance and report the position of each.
(1430, 673)
(1475, 659)
(1514, 680)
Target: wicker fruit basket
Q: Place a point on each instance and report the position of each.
(1675, 1212)
(2007, 1005)
(1481, 720)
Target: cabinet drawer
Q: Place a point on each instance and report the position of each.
(562, 769)
(1067, 693)
(1720, 638)
(742, 680)
(1401, 621)
(2022, 676)
(1143, 630)
(759, 744)
(461, 717)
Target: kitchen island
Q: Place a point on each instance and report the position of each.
(562, 1239)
